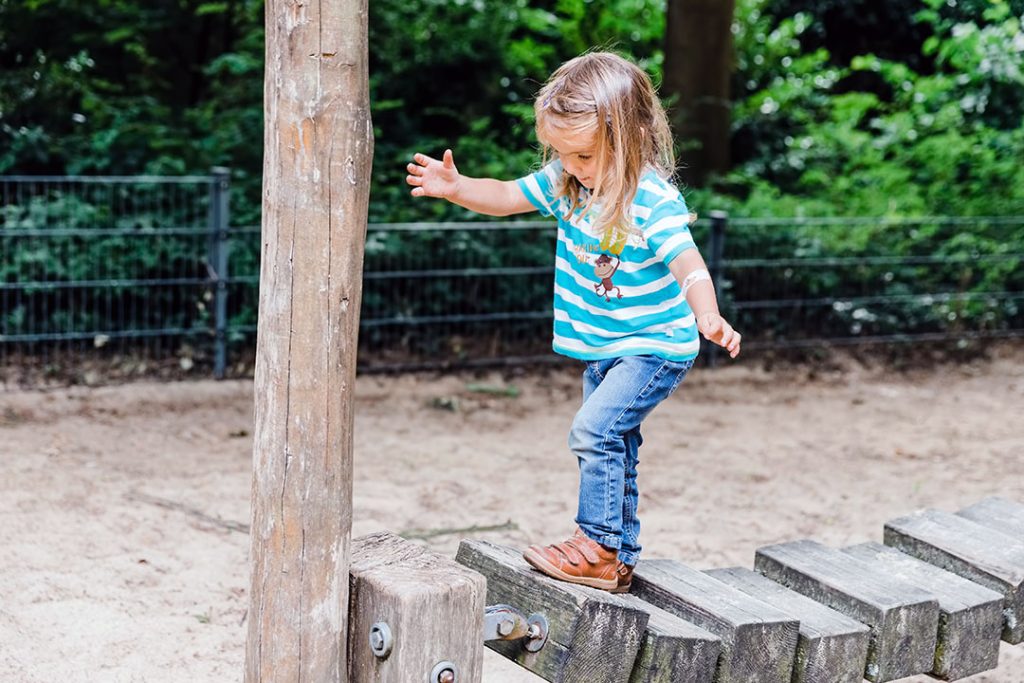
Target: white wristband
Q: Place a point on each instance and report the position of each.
(695, 277)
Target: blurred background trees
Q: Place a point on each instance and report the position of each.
(899, 107)
(783, 109)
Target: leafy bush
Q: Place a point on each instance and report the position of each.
(841, 108)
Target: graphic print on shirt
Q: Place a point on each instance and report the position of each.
(604, 269)
(605, 265)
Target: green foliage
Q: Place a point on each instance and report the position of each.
(841, 107)
(118, 87)
(915, 144)
(57, 244)
(462, 75)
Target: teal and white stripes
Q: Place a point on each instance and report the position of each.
(609, 305)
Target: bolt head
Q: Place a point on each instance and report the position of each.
(380, 639)
(444, 672)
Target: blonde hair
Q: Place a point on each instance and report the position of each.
(609, 97)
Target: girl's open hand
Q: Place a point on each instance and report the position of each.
(717, 330)
(433, 178)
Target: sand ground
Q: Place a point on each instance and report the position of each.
(99, 582)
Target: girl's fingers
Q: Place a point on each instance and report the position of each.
(719, 331)
(414, 169)
(731, 338)
(414, 180)
(417, 192)
(734, 346)
(448, 159)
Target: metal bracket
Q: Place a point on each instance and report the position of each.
(504, 622)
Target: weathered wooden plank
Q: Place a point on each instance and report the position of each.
(433, 607)
(1001, 514)
(674, 650)
(832, 647)
(758, 641)
(594, 635)
(968, 549)
(903, 619)
(381, 549)
(970, 615)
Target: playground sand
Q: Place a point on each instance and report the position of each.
(106, 574)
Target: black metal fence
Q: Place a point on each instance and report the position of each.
(845, 281)
(102, 267)
(125, 276)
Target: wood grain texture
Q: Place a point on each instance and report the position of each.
(594, 635)
(674, 650)
(976, 552)
(832, 648)
(970, 616)
(433, 606)
(903, 619)
(758, 641)
(1001, 514)
(318, 146)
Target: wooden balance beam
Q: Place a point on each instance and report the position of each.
(936, 598)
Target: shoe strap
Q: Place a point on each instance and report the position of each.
(568, 552)
(583, 547)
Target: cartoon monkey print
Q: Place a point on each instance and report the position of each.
(604, 269)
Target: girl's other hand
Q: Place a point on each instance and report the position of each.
(433, 178)
(717, 330)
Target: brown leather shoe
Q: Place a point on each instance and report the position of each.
(577, 560)
(624, 572)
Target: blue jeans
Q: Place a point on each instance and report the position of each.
(618, 393)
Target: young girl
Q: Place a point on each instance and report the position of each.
(631, 289)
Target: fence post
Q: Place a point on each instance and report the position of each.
(220, 183)
(719, 222)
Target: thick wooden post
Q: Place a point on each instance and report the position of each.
(431, 607)
(318, 145)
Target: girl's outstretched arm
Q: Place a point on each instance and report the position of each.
(691, 272)
(433, 178)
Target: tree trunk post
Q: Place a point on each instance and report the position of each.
(698, 67)
(318, 143)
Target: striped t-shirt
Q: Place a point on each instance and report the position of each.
(627, 304)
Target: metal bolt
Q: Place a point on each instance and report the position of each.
(444, 672)
(381, 640)
(537, 633)
(505, 627)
